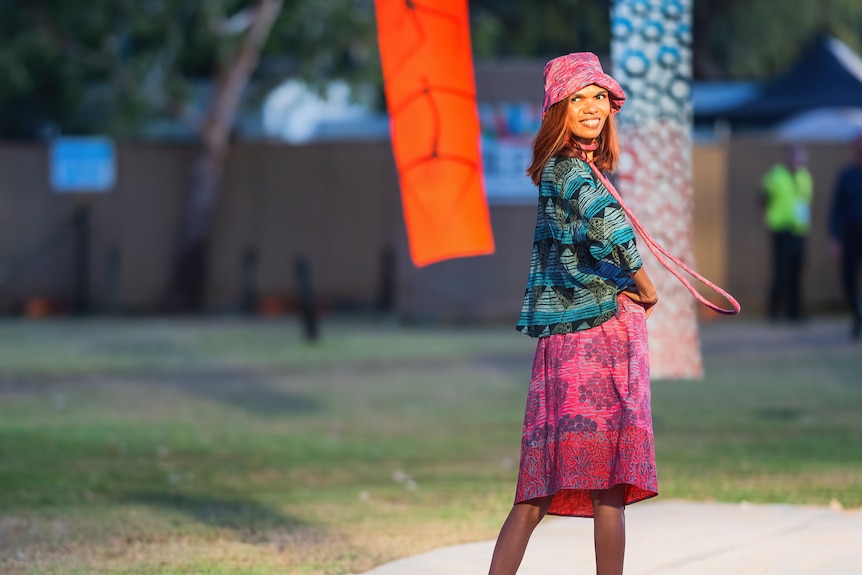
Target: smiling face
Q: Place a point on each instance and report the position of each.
(589, 108)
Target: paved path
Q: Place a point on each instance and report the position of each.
(682, 538)
(678, 538)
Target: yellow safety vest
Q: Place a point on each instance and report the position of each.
(788, 199)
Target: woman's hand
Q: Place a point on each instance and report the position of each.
(646, 294)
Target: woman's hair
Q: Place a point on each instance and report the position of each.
(554, 139)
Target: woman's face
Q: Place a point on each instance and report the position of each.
(589, 108)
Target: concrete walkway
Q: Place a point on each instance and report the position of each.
(678, 538)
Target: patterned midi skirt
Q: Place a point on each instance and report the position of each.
(588, 423)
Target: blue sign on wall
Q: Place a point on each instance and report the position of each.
(84, 164)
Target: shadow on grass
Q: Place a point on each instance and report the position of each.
(237, 388)
(732, 338)
(251, 521)
(780, 414)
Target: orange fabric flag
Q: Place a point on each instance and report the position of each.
(431, 95)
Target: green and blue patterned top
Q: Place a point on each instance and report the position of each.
(583, 253)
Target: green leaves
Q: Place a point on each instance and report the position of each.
(522, 28)
(121, 64)
(757, 40)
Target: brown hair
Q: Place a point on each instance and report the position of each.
(553, 139)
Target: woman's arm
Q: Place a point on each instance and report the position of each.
(646, 294)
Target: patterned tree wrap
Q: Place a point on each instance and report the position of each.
(587, 424)
(651, 50)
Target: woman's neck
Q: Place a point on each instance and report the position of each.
(588, 148)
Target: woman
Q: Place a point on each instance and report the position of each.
(587, 444)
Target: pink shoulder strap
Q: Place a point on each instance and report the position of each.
(660, 254)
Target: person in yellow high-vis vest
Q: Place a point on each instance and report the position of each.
(788, 190)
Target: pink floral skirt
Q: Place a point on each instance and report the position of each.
(588, 424)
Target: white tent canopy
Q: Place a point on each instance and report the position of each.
(822, 125)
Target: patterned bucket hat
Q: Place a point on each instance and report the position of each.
(567, 74)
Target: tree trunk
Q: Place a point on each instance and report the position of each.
(187, 289)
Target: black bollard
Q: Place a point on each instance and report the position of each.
(386, 288)
(307, 308)
(248, 280)
(81, 271)
(111, 286)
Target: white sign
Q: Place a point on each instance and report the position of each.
(506, 179)
(83, 164)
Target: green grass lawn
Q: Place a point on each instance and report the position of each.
(230, 446)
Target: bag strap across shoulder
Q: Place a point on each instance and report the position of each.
(663, 255)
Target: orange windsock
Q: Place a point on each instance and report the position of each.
(431, 95)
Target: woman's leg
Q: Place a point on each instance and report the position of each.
(609, 529)
(514, 535)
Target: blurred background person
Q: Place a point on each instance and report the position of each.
(787, 194)
(845, 232)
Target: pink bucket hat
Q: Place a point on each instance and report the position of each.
(567, 74)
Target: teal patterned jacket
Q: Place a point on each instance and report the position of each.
(583, 252)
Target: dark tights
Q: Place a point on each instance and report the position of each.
(609, 532)
(851, 263)
(784, 292)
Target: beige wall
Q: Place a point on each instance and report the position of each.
(338, 205)
(331, 203)
(748, 242)
(479, 288)
(709, 163)
(29, 218)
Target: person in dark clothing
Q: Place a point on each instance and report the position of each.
(845, 231)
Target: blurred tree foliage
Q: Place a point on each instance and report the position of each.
(757, 39)
(525, 28)
(108, 66)
(733, 39)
